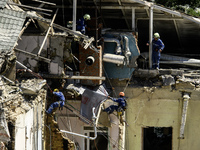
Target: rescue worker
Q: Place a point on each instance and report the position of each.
(81, 23)
(121, 107)
(157, 48)
(59, 103)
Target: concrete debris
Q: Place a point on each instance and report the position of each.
(4, 133)
(75, 89)
(13, 97)
(168, 80)
(32, 86)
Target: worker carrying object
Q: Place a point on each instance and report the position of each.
(157, 48)
(59, 103)
(81, 23)
(120, 108)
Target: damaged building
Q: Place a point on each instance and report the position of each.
(42, 50)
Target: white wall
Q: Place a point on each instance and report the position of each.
(28, 129)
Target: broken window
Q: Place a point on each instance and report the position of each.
(101, 142)
(157, 138)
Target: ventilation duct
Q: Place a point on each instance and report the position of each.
(112, 58)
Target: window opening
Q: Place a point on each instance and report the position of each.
(157, 138)
(101, 142)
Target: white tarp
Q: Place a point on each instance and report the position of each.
(90, 99)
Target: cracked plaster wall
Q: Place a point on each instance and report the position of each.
(162, 107)
(58, 47)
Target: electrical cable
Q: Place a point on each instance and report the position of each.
(63, 11)
(109, 81)
(128, 81)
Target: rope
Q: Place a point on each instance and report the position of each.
(128, 81)
(109, 81)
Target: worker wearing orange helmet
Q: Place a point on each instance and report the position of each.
(121, 104)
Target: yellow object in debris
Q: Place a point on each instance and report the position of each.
(119, 113)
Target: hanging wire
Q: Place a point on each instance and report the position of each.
(128, 81)
(63, 11)
(109, 81)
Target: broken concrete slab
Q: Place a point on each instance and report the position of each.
(32, 86)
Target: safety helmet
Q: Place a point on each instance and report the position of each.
(56, 90)
(121, 94)
(86, 17)
(156, 35)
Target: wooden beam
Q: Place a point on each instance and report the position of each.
(50, 26)
(45, 2)
(36, 8)
(34, 55)
(73, 77)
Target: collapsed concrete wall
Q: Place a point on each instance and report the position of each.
(24, 112)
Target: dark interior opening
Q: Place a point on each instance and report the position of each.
(158, 138)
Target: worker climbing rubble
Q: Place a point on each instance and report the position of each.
(81, 23)
(59, 103)
(120, 108)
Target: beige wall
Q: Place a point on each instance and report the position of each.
(162, 107)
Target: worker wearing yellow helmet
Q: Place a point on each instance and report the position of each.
(59, 103)
(157, 48)
(81, 23)
(121, 104)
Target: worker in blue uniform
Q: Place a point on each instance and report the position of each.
(81, 23)
(59, 103)
(121, 107)
(157, 48)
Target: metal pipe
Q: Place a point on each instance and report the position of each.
(87, 137)
(127, 50)
(74, 15)
(100, 106)
(23, 66)
(8, 79)
(186, 98)
(112, 58)
(118, 47)
(150, 35)
(133, 19)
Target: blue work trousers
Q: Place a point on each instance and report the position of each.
(55, 105)
(111, 108)
(155, 59)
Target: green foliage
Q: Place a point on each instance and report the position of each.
(174, 3)
(179, 5)
(192, 12)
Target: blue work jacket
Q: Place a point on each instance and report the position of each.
(157, 45)
(121, 101)
(60, 96)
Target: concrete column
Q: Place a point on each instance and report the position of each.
(74, 15)
(150, 35)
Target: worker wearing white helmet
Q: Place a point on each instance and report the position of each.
(81, 23)
(157, 48)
